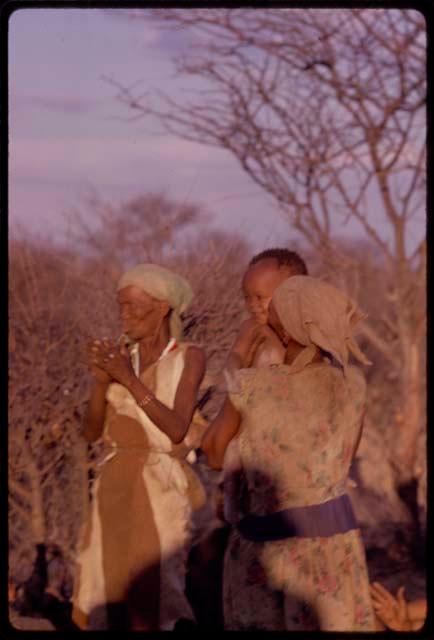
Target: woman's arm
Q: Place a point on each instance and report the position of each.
(174, 422)
(95, 414)
(220, 432)
(226, 424)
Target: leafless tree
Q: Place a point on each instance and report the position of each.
(325, 110)
(140, 229)
(52, 310)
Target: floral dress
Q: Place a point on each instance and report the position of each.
(297, 437)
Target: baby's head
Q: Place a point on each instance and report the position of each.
(266, 271)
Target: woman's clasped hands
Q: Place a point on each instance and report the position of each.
(108, 361)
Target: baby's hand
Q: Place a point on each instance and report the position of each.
(270, 352)
(250, 336)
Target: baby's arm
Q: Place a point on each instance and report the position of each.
(250, 335)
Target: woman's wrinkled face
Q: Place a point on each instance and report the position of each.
(259, 283)
(140, 314)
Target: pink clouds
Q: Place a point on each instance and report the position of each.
(64, 104)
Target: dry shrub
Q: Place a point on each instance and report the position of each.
(51, 310)
(59, 299)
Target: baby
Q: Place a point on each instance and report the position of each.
(256, 344)
(266, 271)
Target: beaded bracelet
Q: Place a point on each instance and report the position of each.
(145, 400)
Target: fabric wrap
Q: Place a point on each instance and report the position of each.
(317, 520)
(318, 316)
(161, 284)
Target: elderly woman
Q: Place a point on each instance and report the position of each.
(295, 559)
(132, 558)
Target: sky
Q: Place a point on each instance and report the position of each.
(68, 133)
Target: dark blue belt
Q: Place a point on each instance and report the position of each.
(316, 520)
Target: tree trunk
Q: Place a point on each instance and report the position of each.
(409, 420)
(37, 503)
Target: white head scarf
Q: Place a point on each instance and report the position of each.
(316, 314)
(162, 284)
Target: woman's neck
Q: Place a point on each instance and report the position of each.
(151, 347)
(294, 348)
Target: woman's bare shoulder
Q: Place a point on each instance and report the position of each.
(192, 350)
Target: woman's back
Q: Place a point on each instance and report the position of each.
(299, 430)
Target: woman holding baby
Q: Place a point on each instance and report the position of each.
(295, 559)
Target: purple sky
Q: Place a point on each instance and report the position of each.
(68, 133)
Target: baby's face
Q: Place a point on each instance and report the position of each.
(259, 283)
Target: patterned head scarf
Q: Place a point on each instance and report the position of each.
(316, 314)
(162, 284)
